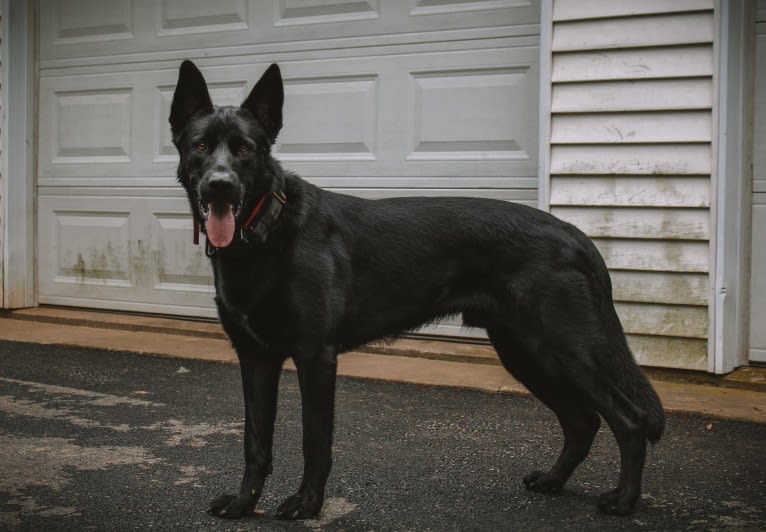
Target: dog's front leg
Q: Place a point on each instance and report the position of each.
(260, 383)
(316, 373)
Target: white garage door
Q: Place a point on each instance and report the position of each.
(383, 97)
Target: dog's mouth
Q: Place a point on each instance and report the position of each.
(220, 221)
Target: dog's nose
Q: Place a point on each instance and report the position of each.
(219, 183)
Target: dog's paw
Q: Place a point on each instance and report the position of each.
(617, 502)
(231, 507)
(299, 506)
(543, 482)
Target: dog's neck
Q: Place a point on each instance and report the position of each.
(258, 225)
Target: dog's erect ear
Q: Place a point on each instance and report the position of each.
(265, 101)
(191, 97)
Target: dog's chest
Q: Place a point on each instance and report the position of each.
(236, 297)
(250, 296)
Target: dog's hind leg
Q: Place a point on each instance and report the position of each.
(578, 420)
(629, 425)
(565, 326)
(580, 425)
(628, 422)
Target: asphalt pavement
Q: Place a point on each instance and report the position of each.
(101, 440)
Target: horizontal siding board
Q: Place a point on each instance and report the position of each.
(660, 287)
(645, 95)
(643, 31)
(631, 191)
(654, 255)
(669, 352)
(650, 223)
(693, 159)
(648, 127)
(663, 320)
(578, 9)
(645, 63)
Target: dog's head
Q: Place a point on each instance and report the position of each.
(226, 164)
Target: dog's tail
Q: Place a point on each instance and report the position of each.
(630, 379)
(636, 386)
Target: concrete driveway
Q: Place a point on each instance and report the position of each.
(116, 441)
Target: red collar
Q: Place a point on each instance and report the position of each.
(256, 210)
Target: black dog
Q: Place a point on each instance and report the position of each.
(305, 273)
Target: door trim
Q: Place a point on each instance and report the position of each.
(731, 182)
(19, 141)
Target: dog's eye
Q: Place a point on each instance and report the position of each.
(201, 146)
(244, 149)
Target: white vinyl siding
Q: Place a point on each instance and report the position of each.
(631, 158)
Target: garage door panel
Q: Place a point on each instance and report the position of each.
(86, 28)
(389, 119)
(330, 118)
(106, 138)
(74, 22)
(87, 246)
(182, 17)
(450, 7)
(471, 114)
(91, 247)
(295, 20)
(83, 126)
(122, 252)
(451, 115)
(177, 264)
(88, 126)
(293, 12)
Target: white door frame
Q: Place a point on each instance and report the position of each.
(731, 182)
(544, 115)
(19, 103)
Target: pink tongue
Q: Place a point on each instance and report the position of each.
(220, 226)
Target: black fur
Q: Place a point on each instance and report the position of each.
(336, 271)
